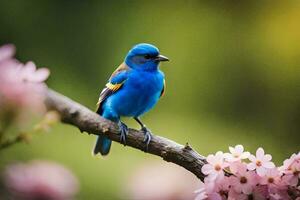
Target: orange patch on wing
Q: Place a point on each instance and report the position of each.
(114, 87)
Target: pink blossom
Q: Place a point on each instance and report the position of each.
(291, 170)
(236, 153)
(21, 86)
(272, 178)
(288, 162)
(216, 165)
(40, 180)
(261, 162)
(243, 181)
(259, 179)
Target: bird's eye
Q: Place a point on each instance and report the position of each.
(147, 56)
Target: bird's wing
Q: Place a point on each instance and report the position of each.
(163, 89)
(115, 82)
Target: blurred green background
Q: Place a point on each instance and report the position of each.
(233, 76)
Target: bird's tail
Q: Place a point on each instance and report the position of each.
(102, 145)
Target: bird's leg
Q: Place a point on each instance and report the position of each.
(123, 132)
(147, 132)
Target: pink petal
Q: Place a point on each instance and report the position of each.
(212, 177)
(207, 169)
(247, 189)
(238, 168)
(268, 165)
(215, 196)
(297, 166)
(251, 166)
(242, 169)
(260, 153)
(233, 168)
(261, 171)
(273, 172)
(211, 159)
(260, 192)
(41, 75)
(232, 150)
(252, 178)
(220, 176)
(252, 158)
(227, 155)
(245, 155)
(264, 180)
(209, 184)
(224, 165)
(219, 156)
(239, 148)
(237, 187)
(30, 67)
(7, 51)
(292, 180)
(201, 196)
(267, 157)
(225, 183)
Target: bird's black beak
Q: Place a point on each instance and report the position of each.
(161, 58)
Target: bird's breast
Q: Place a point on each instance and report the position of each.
(146, 83)
(140, 93)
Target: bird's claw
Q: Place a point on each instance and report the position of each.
(147, 136)
(123, 132)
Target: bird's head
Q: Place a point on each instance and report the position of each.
(144, 57)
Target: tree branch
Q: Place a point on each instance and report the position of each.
(90, 122)
(9, 143)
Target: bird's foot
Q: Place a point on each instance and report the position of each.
(123, 132)
(147, 136)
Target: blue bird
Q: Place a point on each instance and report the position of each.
(132, 90)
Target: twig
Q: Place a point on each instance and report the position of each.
(90, 122)
(9, 143)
